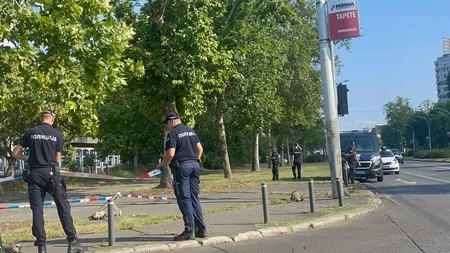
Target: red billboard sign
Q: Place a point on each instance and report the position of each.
(343, 19)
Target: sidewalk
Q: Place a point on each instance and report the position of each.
(229, 226)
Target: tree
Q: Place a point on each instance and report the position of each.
(426, 106)
(65, 56)
(448, 84)
(178, 46)
(124, 130)
(398, 114)
(260, 55)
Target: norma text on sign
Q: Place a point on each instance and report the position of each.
(343, 19)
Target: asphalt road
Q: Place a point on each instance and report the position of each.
(414, 218)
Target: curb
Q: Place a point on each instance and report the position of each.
(256, 234)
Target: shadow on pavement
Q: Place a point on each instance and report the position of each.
(146, 238)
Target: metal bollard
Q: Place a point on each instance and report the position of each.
(265, 201)
(339, 191)
(346, 177)
(1, 244)
(111, 227)
(311, 194)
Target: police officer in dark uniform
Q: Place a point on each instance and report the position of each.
(352, 160)
(275, 163)
(45, 145)
(183, 152)
(297, 161)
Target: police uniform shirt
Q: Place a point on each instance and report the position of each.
(350, 159)
(43, 141)
(275, 157)
(184, 140)
(297, 153)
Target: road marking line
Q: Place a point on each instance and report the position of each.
(432, 178)
(404, 181)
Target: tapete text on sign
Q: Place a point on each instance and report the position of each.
(344, 15)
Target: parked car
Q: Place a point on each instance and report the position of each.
(390, 163)
(398, 155)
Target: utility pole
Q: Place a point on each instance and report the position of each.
(330, 106)
(414, 140)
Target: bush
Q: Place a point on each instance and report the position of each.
(212, 161)
(315, 158)
(436, 153)
(119, 171)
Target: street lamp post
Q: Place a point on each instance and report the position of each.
(414, 140)
(429, 132)
(401, 137)
(443, 110)
(343, 82)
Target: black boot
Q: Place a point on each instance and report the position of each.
(76, 247)
(42, 249)
(185, 236)
(201, 233)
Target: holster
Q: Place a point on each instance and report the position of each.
(59, 184)
(25, 174)
(174, 165)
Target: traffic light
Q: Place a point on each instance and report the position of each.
(342, 99)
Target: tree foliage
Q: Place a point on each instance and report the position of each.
(400, 115)
(63, 55)
(111, 69)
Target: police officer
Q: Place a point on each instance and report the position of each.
(352, 160)
(45, 145)
(297, 161)
(275, 163)
(183, 152)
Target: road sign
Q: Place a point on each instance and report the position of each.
(343, 19)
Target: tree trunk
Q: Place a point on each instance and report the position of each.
(166, 180)
(288, 151)
(255, 155)
(282, 154)
(224, 148)
(136, 158)
(270, 144)
(8, 171)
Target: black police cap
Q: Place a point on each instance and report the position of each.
(170, 116)
(48, 112)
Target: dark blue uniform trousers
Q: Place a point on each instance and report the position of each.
(352, 171)
(40, 183)
(187, 188)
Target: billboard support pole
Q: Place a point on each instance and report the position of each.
(330, 106)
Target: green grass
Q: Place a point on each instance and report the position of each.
(211, 182)
(216, 183)
(434, 153)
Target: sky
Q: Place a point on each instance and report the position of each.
(394, 57)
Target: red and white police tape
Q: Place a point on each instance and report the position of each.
(148, 175)
(94, 199)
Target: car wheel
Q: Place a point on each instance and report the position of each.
(380, 179)
(397, 172)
